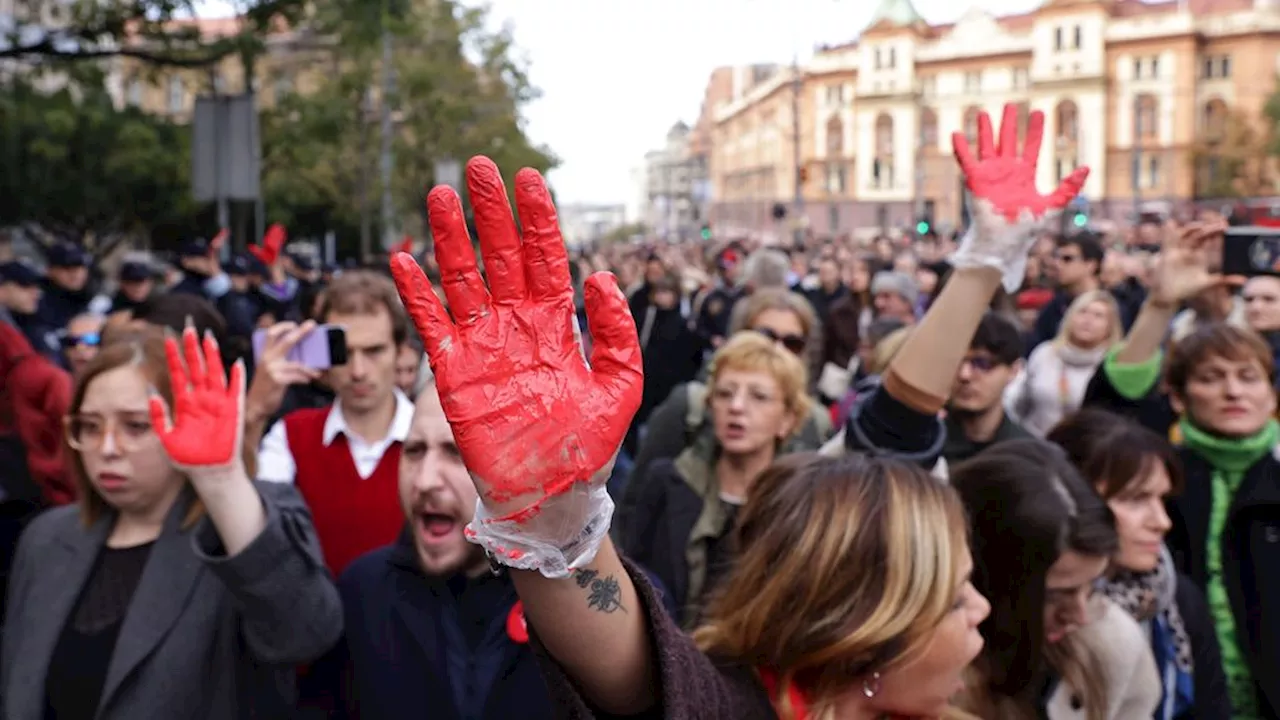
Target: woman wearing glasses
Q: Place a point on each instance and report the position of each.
(176, 586)
(1041, 541)
(680, 524)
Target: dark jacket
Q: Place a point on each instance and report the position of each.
(206, 635)
(1250, 542)
(426, 648)
(1211, 700)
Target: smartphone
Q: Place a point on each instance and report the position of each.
(1251, 250)
(322, 348)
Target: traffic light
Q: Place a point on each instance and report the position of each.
(706, 232)
(922, 227)
(1080, 220)
(925, 224)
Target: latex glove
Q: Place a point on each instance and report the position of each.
(1008, 212)
(536, 426)
(204, 435)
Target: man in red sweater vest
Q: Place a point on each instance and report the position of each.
(345, 458)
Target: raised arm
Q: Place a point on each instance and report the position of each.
(1008, 215)
(536, 425)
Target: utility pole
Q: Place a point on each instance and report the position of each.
(917, 193)
(797, 87)
(1137, 157)
(386, 163)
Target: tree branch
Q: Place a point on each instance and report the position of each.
(49, 47)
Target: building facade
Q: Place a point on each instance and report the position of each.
(583, 224)
(1144, 93)
(294, 60)
(675, 178)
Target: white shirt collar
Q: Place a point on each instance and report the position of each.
(337, 423)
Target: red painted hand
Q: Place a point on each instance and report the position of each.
(208, 410)
(1008, 212)
(1005, 178)
(530, 418)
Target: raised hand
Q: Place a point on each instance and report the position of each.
(1184, 267)
(1008, 211)
(204, 435)
(537, 427)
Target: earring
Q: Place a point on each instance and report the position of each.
(871, 686)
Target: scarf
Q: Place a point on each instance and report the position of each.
(1150, 598)
(1230, 459)
(1073, 358)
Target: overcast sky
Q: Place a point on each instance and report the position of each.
(616, 74)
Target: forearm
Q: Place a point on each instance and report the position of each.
(1147, 334)
(926, 365)
(235, 509)
(594, 625)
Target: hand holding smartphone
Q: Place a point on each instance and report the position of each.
(322, 348)
(1251, 250)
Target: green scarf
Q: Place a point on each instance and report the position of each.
(1230, 459)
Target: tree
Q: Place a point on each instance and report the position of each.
(77, 169)
(1231, 158)
(149, 30)
(458, 92)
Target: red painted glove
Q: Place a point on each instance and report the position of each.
(1008, 212)
(537, 427)
(205, 434)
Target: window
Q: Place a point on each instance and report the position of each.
(879, 61)
(973, 81)
(1079, 38)
(177, 95)
(835, 137)
(1215, 67)
(893, 58)
(1153, 172)
(881, 173)
(1146, 117)
(884, 135)
(835, 179)
(1058, 167)
(1155, 66)
(835, 94)
(1020, 78)
(1137, 68)
(1057, 38)
(971, 123)
(928, 128)
(929, 86)
(1214, 120)
(1066, 121)
(134, 91)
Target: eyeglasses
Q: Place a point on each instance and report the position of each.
(87, 339)
(87, 433)
(793, 343)
(981, 363)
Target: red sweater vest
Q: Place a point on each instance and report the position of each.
(352, 515)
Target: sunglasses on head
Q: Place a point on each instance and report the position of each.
(793, 343)
(90, 339)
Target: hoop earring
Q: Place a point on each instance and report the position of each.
(871, 686)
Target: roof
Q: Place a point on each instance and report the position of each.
(896, 12)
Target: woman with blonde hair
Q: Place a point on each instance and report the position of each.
(177, 585)
(1057, 373)
(679, 525)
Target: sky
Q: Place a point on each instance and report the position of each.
(616, 75)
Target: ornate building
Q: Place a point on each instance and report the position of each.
(1139, 91)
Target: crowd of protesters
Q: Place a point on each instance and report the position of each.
(860, 479)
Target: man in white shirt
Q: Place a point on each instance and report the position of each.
(344, 458)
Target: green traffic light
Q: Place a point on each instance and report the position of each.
(1081, 220)
(706, 233)
(922, 228)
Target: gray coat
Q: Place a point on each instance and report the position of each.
(205, 636)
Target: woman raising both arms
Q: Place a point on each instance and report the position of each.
(850, 598)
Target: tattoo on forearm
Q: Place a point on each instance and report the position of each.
(603, 594)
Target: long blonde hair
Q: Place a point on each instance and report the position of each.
(845, 567)
(1084, 300)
